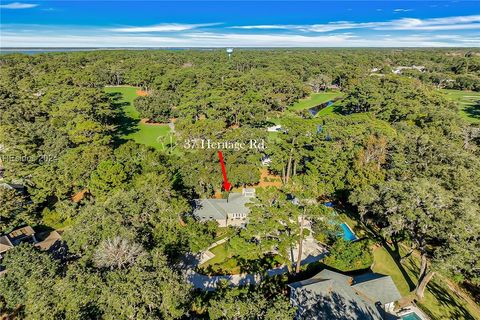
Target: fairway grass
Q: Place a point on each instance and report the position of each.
(156, 136)
(314, 100)
(469, 102)
(439, 302)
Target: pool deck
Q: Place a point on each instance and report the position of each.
(412, 309)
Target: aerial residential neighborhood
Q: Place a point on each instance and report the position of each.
(231, 160)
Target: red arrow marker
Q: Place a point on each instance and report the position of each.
(226, 184)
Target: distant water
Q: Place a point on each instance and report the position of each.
(49, 50)
(43, 50)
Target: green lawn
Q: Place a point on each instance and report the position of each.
(469, 102)
(328, 110)
(151, 135)
(225, 262)
(315, 99)
(384, 264)
(440, 302)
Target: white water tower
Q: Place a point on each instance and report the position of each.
(229, 51)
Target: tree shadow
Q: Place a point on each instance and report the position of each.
(125, 124)
(396, 256)
(473, 111)
(332, 305)
(261, 265)
(445, 298)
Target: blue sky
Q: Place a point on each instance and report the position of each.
(239, 24)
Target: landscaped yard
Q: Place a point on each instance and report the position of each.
(225, 262)
(156, 136)
(315, 99)
(469, 102)
(440, 302)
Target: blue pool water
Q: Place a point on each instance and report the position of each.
(348, 235)
(411, 316)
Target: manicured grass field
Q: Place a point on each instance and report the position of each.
(315, 99)
(156, 136)
(327, 110)
(469, 102)
(439, 302)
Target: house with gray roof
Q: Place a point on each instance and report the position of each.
(227, 212)
(14, 238)
(332, 295)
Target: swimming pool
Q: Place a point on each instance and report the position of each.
(411, 316)
(348, 234)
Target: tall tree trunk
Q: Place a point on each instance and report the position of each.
(300, 243)
(289, 168)
(423, 284)
(283, 174)
(294, 173)
(423, 267)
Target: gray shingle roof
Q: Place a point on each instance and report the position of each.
(331, 295)
(377, 287)
(219, 208)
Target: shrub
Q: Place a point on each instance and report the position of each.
(348, 256)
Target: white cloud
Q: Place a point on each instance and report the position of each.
(403, 10)
(164, 27)
(266, 26)
(18, 5)
(221, 40)
(434, 24)
(405, 32)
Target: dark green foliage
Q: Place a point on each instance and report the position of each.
(394, 149)
(349, 256)
(244, 303)
(158, 107)
(29, 281)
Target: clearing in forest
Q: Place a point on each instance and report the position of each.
(314, 100)
(156, 136)
(469, 102)
(267, 179)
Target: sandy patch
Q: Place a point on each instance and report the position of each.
(79, 195)
(266, 180)
(141, 93)
(147, 122)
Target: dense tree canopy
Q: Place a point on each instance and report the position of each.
(393, 149)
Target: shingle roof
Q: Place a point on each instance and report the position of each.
(19, 234)
(210, 209)
(333, 295)
(50, 240)
(5, 244)
(377, 287)
(219, 208)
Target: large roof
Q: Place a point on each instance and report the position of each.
(50, 240)
(377, 287)
(21, 232)
(332, 295)
(219, 208)
(5, 244)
